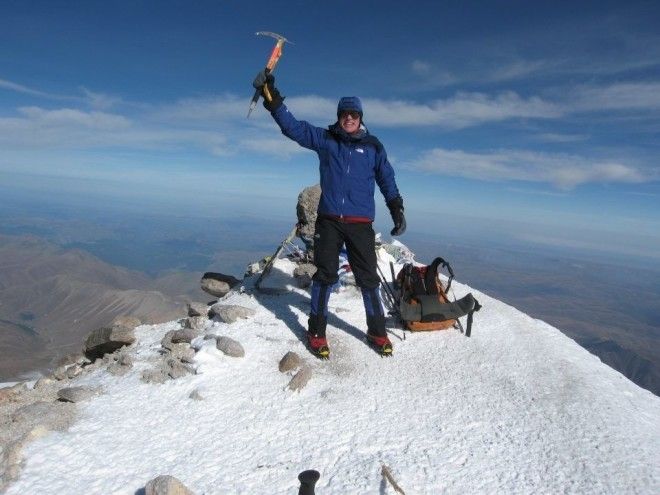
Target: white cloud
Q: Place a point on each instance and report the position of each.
(420, 67)
(561, 170)
(277, 146)
(74, 117)
(621, 96)
(459, 111)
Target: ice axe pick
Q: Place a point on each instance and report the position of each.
(270, 66)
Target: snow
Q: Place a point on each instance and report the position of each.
(516, 408)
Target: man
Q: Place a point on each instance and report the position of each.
(351, 162)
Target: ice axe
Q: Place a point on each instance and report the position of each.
(270, 66)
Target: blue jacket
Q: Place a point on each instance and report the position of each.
(349, 166)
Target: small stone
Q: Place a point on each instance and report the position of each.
(290, 361)
(183, 336)
(195, 395)
(177, 369)
(76, 394)
(154, 376)
(60, 373)
(166, 485)
(229, 313)
(196, 322)
(117, 369)
(125, 360)
(300, 379)
(166, 341)
(198, 309)
(75, 358)
(215, 287)
(181, 352)
(73, 371)
(129, 322)
(229, 346)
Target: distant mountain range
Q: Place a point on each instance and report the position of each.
(50, 298)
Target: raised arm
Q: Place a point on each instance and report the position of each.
(302, 132)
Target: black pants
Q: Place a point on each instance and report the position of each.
(360, 241)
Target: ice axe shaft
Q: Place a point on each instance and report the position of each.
(270, 66)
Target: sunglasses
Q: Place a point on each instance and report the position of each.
(349, 113)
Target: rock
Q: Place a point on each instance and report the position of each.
(301, 378)
(303, 274)
(290, 361)
(166, 341)
(195, 322)
(183, 336)
(125, 359)
(73, 371)
(129, 322)
(177, 369)
(229, 313)
(218, 284)
(117, 369)
(60, 373)
(76, 394)
(166, 485)
(229, 346)
(306, 211)
(182, 352)
(195, 395)
(75, 358)
(198, 309)
(154, 376)
(107, 340)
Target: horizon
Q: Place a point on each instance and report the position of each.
(534, 124)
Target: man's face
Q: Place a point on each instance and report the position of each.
(349, 120)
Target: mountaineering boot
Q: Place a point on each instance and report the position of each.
(381, 345)
(377, 336)
(318, 344)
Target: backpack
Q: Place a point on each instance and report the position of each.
(423, 304)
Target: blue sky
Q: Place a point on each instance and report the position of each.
(538, 121)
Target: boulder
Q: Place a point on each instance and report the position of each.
(198, 309)
(229, 313)
(306, 211)
(218, 284)
(229, 346)
(300, 379)
(107, 340)
(290, 361)
(166, 485)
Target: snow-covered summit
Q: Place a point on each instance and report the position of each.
(516, 408)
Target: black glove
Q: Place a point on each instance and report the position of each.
(396, 210)
(265, 79)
